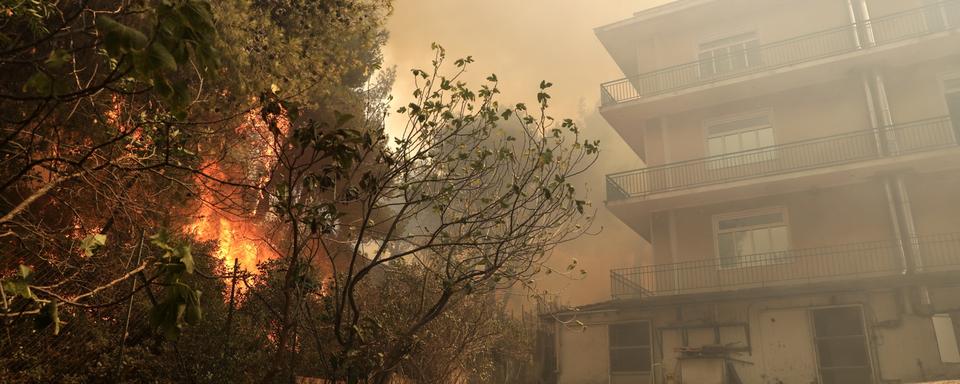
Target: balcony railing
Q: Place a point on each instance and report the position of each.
(818, 45)
(936, 253)
(845, 148)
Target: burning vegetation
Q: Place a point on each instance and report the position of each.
(149, 152)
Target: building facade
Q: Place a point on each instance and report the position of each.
(801, 196)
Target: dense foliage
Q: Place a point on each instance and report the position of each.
(128, 125)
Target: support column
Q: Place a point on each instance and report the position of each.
(869, 38)
(672, 223)
(901, 216)
(879, 141)
(898, 198)
(854, 23)
(908, 225)
(886, 117)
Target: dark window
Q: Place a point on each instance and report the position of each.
(836, 322)
(630, 347)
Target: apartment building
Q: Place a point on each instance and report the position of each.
(802, 196)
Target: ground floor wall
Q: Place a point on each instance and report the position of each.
(908, 335)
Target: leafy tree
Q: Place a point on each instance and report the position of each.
(114, 112)
(464, 207)
(93, 94)
(122, 118)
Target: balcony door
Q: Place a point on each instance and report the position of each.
(840, 340)
(729, 55)
(752, 239)
(737, 141)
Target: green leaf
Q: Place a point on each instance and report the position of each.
(180, 97)
(24, 271)
(119, 38)
(57, 58)
(40, 83)
(160, 57)
(199, 16)
(546, 157)
(187, 258)
(165, 317)
(542, 97)
(193, 313)
(92, 242)
(163, 87)
(18, 288)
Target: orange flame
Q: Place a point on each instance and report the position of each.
(239, 239)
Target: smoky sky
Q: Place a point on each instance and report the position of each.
(524, 42)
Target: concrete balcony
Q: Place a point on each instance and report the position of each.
(860, 262)
(923, 146)
(816, 57)
(798, 156)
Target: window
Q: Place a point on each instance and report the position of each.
(946, 338)
(752, 239)
(630, 347)
(841, 345)
(729, 54)
(730, 136)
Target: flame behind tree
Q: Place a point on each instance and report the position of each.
(103, 147)
(116, 118)
(232, 204)
(238, 241)
(89, 155)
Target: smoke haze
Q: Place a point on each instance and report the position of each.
(524, 42)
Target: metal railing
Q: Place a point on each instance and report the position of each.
(935, 253)
(831, 42)
(845, 148)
